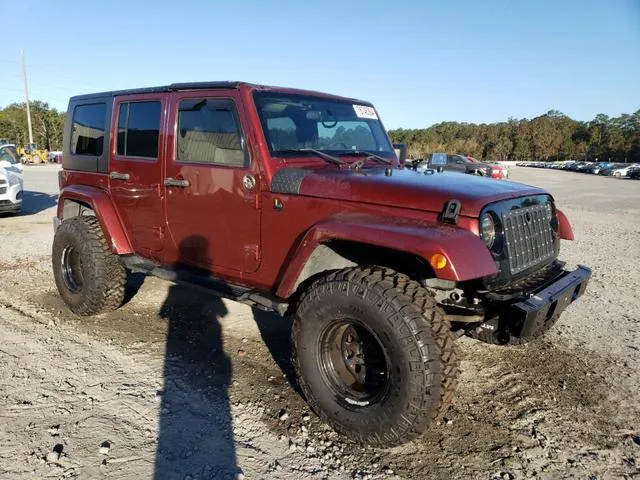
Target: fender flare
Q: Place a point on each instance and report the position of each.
(105, 212)
(467, 256)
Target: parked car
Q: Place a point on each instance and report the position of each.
(622, 171)
(11, 180)
(608, 171)
(634, 173)
(595, 168)
(54, 157)
(584, 167)
(294, 202)
(498, 170)
(454, 163)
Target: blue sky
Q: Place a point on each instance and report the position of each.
(420, 62)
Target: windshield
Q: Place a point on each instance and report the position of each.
(296, 122)
(7, 154)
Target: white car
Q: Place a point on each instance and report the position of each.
(622, 172)
(11, 180)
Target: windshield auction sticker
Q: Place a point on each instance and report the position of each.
(364, 111)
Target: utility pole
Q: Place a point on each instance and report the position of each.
(26, 96)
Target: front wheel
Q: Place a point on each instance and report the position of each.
(374, 355)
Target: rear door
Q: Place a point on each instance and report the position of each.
(135, 168)
(212, 186)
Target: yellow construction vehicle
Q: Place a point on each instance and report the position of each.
(31, 154)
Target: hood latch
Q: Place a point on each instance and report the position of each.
(451, 211)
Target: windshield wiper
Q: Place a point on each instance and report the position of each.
(369, 156)
(320, 153)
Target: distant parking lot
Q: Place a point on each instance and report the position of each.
(605, 169)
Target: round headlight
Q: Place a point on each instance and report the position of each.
(488, 230)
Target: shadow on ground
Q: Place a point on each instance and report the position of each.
(195, 434)
(35, 202)
(276, 334)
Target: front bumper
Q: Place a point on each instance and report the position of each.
(7, 206)
(527, 316)
(10, 198)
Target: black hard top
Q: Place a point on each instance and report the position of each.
(174, 87)
(167, 88)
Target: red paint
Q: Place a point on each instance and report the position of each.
(138, 200)
(216, 207)
(420, 238)
(245, 240)
(99, 200)
(564, 227)
(412, 190)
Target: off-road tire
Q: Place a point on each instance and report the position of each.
(104, 277)
(411, 329)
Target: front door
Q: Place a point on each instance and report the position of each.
(457, 163)
(211, 185)
(135, 168)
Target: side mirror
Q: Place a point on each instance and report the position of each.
(401, 152)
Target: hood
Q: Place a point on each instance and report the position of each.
(404, 188)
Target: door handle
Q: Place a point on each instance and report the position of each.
(119, 176)
(173, 182)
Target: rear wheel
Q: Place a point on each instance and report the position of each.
(88, 275)
(374, 355)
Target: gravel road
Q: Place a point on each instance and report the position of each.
(180, 385)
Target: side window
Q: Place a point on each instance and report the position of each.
(87, 129)
(209, 132)
(439, 159)
(139, 129)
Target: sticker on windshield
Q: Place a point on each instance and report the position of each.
(364, 111)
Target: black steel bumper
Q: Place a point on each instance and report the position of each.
(525, 317)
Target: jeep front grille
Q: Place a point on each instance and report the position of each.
(528, 236)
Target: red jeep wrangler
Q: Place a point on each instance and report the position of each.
(295, 201)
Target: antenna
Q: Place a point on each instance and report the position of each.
(26, 96)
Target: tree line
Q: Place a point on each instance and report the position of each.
(549, 137)
(47, 125)
(552, 136)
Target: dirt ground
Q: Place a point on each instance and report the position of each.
(185, 386)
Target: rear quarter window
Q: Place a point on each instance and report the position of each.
(87, 129)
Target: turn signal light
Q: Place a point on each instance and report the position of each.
(438, 261)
